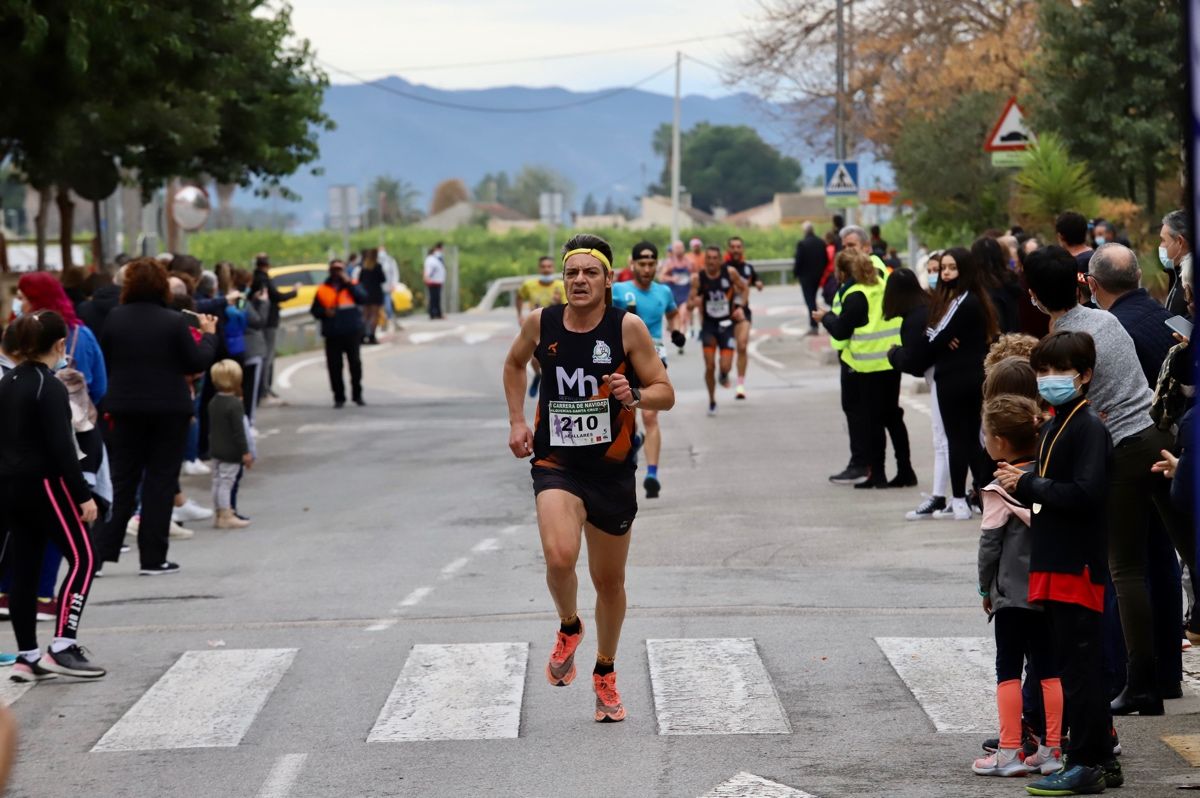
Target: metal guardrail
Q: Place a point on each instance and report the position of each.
(509, 285)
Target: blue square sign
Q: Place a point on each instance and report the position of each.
(841, 178)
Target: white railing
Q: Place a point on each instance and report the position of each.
(509, 285)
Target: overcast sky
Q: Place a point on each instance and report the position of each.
(375, 38)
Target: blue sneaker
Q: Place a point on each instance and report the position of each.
(1071, 780)
(7, 659)
(638, 440)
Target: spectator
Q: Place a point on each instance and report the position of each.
(105, 295)
(809, 268)
(230, 443)
(262, 279)
(1175, 254)
(1104, 232)
(372, 280)
(336, 306)
(435, 277)
(962, 327)
(254, 306)
(1121, 397)
(879, 247)
(1071, 229)
(1115, 281)
(1003, 286)
(150, 352)
(391, 276)
(40, 475)
(838, 223)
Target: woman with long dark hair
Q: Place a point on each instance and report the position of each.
(1004, 286)
(45, 496)
(962, 326)
(906, 298)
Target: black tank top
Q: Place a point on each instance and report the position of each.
(578, 425)
(716, 295)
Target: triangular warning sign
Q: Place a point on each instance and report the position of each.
(841, 180)
(1010, 133)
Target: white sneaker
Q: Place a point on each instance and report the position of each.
(195, 468)
(190, 511)
(1047, 760)
(1004, 762)
(958, 510)
(131, 529)
(179, 533)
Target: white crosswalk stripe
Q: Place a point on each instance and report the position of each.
(952, 678)
(207, 699)
(456, 692)
(747, 785)
(713, 686)
(10, 691)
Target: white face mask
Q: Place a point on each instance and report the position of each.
(1165, 259)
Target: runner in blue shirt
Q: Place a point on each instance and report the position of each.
(652, 302)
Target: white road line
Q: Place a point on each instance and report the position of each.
(913, 404)
(512, 529)
(485, 545)
(747, 785)
(731, 694)
(416, 597)
(426, 337)
(952, 678)
(456, 692)
(283, 776)
(381, 626)
(752, 350)
(10, 691)
(285, 376)
(402, 425)
(207, 699)
(454, 567)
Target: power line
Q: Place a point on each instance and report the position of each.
(556, 56)
(492, 110)
(713, 67)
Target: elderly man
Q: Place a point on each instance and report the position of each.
(809, 266)
(1115, 281)
(1175, 254)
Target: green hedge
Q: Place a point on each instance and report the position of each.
(483, 256)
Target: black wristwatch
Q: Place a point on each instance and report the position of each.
(637, 399)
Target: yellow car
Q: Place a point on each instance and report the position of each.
(310, 275)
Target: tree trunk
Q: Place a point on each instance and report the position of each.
(3, 253)
(225, 205)
(39, 224)
(169, 218)
(66, 224)
(98, 241)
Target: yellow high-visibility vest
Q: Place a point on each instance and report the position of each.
(866, 350)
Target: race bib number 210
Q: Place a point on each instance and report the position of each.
(580, 423)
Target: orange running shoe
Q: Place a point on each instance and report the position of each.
(560, 671)
(608, 701)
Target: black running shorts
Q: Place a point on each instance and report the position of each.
(609, 500)
(715, 336)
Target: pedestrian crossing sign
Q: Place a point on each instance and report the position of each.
(841, 178)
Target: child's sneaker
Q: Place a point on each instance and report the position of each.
(1046, 760)
(1005, 762)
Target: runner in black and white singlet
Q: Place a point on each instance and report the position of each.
(736, 249)
(598, 366)
(715, 290)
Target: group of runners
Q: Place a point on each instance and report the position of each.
(599, 358)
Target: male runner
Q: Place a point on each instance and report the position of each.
(741, 331)
(540, 292)
(594, 357)
(650, 301)
(715, 291)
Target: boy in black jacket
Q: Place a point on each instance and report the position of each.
(1068, 565)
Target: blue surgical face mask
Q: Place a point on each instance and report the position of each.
(1100, 241)
(61, 364)
(18, 307)
(546, 278)
(1165, 259)
(1057, 389)
(933, 280)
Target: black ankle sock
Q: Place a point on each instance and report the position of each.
(603, 668)
(571, 628)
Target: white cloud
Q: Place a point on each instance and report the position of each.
(375, 38)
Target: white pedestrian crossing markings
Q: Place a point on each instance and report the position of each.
(731, 693)
(952, 678)
(207, 699)
(456, 692)
(747, 785)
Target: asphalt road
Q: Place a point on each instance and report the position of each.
(382, 628)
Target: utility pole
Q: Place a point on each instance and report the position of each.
(675, 154)
(839, 140)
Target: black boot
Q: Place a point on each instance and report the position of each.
(1140, 694)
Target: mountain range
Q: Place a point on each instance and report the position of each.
(601, 141)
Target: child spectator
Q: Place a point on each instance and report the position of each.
(1010, 424)
(228, 441)
(1068, 563)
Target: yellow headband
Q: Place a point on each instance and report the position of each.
(595, 253)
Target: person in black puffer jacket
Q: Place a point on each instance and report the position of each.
(150, 350)
(337, 307)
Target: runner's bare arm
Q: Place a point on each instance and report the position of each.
(694, 293)
(740, 285)
(520, 439)
(656, 390)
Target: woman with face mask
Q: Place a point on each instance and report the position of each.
(45, 496)
(40, 291)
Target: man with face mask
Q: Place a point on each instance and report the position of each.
(336, 306)
(539, 292)
(1175, 254)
